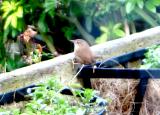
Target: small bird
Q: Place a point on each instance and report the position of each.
(83, 55)
(82, 52)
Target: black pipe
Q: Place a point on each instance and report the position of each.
(104, 70)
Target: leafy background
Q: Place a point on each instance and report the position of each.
(58, 21)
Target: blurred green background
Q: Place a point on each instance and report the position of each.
(54, 22)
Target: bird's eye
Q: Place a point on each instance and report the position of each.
(78, 42)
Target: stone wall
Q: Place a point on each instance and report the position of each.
(62, 66)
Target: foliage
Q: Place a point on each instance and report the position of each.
(49, 9)
(112, 18)
(146, 9)
(14, 12)
(47, 100)
(87, 95)
(68, 32)
(12, 16)
(12, 112)
(126, 12)
(92, 11)
(149, 5)
(152, 58)
(10, 58)
(12, 63)
(111, 31)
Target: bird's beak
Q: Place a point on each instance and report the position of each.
(72, 41)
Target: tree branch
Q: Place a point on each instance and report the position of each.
(146, 17)
(88, 37)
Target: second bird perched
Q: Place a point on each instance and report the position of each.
(82, 52)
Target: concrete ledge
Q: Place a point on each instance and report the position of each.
(62, 66)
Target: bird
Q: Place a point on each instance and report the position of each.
(82, 52)
(82, 55)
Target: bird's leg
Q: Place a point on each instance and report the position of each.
(74, 63)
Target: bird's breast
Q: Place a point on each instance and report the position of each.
(85, 56)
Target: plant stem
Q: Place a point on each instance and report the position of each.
(86, 35)
(126, 27)
(125, 21)
(49, 44)
(146, 17)
(133, 28)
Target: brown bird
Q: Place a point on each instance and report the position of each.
(83, 55)
(82, 52)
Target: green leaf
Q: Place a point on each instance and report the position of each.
(5, 14)
(16, 111)
(117, 26)
(41, 23)
(140, 3)
(6, 6)
(119, 32)
(50, 6)
(8, 22)
(5, 34)
(14, 33)
(130, 6)
(68, 32)
(150, 7)
(103, 38)
(17, 3)
(20, 25)
(19, 12)
(14, 20)
(104, 29)
(155, 2)
(13, 5)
